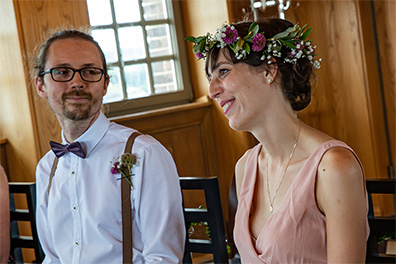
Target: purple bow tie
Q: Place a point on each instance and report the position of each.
(61, 150)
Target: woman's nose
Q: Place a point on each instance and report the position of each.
(214, 89)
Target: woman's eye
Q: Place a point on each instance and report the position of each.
(223, 72)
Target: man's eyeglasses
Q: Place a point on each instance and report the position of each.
(65, 74)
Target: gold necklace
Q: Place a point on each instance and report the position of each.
(283, 173)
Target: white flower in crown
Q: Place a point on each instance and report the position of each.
(292, 42)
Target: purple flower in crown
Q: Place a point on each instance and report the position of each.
(199, 55)
(258, 42)
(231, 35)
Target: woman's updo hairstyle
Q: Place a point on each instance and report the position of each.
(295, 78)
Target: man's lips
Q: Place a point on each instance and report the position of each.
(77, 99)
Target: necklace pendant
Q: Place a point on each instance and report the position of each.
(271, 209)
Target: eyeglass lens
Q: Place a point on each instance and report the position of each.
(64, 74)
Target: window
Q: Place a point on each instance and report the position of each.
(143, 41)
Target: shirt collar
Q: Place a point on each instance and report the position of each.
(90, 138)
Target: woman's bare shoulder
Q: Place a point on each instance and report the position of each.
(240, 170)
(339, 171)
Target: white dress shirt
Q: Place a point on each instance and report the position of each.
(80, 220)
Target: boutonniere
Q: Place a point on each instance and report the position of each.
(124, 166)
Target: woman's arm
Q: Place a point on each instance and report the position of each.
(4, 218)
(341, 197)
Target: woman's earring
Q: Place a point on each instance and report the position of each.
(269, 80)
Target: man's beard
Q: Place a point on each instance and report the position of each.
(78, 111)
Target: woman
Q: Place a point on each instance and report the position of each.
(301, 193)
(4, 218)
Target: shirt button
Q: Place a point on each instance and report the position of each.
(74, 207)
(73, 172)
(77, 243)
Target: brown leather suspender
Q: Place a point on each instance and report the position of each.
(126, 210)
(126, 205)
(54, 165)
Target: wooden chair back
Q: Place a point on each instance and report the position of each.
(379, 225)
(17, 241)
(212, 216)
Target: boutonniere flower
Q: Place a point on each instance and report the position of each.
(123, 165)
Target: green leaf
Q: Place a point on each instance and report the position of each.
(199, 39)
(280, 35)
(238, 45)
(247, 47)
(190, 39)
(293, 34)
(196, 48)
(202, 45)
(284, 33)
(252, 26)
(303, 28)
(305, 35)
(253, 30)
(288, 43)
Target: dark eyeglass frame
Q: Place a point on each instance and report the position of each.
(74, 72)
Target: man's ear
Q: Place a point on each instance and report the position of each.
(40, 88)
(106, 84)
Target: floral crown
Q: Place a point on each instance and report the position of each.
(292, 39)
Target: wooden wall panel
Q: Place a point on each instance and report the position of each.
(201, 16)
(383, 204)
(37, 19)
(387, 58)
(186, 131)
(339, 103)
(385, 13)
(15, 104)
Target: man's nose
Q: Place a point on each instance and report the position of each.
(77, 81)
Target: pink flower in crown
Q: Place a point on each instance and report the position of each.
(199, 55)
(258, 42)
(231, 35)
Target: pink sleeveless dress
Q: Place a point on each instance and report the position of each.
(296, 232)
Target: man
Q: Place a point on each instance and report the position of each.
(79, 214)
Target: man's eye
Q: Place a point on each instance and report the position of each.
(91, 71)
(60, 71)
